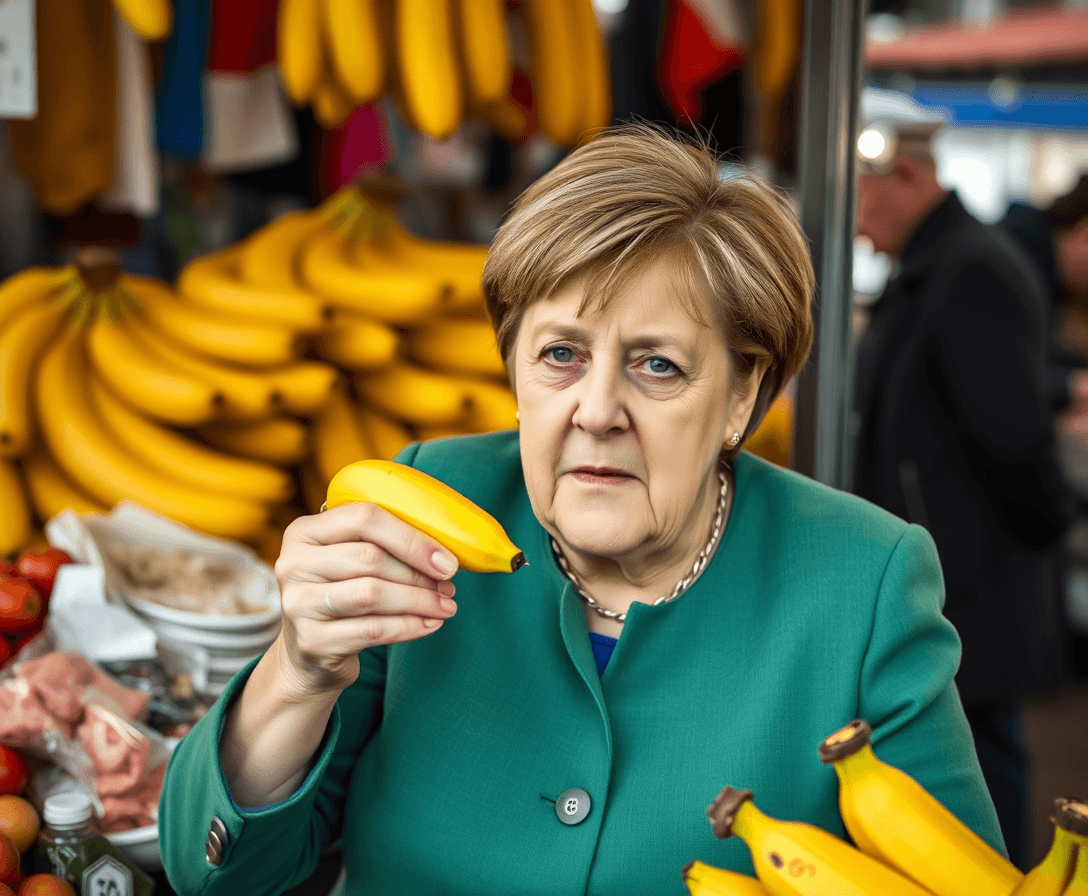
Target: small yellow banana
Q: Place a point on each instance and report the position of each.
(151, 19)
(299, 49)
(706, 880)
(244, 393)
(413, 394)
(357, 342)
(304, 387)
(337, 264)
(337, 438)
(388, 437)
(230, 339)
(31, 286)
(15, 523)
(269, 256)
(22, 341)
(1078, 885)
(51, 491)
(148, 382)
(927, 843)
(1054, 875)
(330, 103)
(596, 86)
(215, 282)
(283, 441)
(492, 406)
(356, 47)
(426, 60)
(485, 49)
(554, 68)
(179, 456)
(470, 533)
(792, 858)
(457, 345)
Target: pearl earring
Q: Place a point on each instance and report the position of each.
(734, 441)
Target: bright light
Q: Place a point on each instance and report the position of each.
(610, 7)
(871, 144)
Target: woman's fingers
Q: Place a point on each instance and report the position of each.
(375, 597)
(348, 560)
(350, 636)
(364, 522)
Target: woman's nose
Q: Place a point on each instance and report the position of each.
(601, 405)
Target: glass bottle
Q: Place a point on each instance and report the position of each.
(69, 824)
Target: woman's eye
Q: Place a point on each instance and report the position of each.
(660, 366)
(561, 354)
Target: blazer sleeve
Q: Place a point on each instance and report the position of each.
(991, 342)
(274, 847)
(907, 689)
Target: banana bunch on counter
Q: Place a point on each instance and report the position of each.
(117, 387)
(441, 60)
(408, 329)
(907, 843)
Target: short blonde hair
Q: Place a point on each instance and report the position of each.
(635, 195)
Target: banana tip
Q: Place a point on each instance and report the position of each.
(518, 561)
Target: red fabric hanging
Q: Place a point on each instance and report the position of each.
(243, 35)
(701, 42)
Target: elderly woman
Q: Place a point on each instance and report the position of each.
(691, 616)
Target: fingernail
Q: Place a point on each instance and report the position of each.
(448, 606)
(445, 563)
(446, 589)
(431, 623)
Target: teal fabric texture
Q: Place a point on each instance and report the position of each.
(443, 762)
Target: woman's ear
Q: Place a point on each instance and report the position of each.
(744, 399)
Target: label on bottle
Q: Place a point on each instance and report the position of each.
(94, 867)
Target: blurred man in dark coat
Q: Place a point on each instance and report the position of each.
(954, 428)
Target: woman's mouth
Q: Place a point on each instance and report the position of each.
(601, 475)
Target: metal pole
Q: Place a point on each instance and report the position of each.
(832, 73)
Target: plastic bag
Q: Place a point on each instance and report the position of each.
(61, 708)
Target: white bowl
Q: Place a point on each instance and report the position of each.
(141, 845)
(221, 643)
(262, 591)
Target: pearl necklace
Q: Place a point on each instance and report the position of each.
(681, 586)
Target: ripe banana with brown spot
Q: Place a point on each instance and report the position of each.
(926, 842)
(469, 532)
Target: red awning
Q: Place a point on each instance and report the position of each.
(1028, 37)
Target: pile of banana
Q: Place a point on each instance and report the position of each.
(907, 843)
(229, 402)
(440, 60)
(116, 387)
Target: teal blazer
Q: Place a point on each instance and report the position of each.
(442, 764)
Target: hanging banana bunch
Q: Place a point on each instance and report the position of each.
(441, 60)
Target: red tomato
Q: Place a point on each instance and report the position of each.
(41, 569)
(20, 604)
(6, 569)
(11, 868)
(13, 771)
(5, 890)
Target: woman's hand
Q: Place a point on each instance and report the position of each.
(354, 577)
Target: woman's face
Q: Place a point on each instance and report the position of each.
(623, 415)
